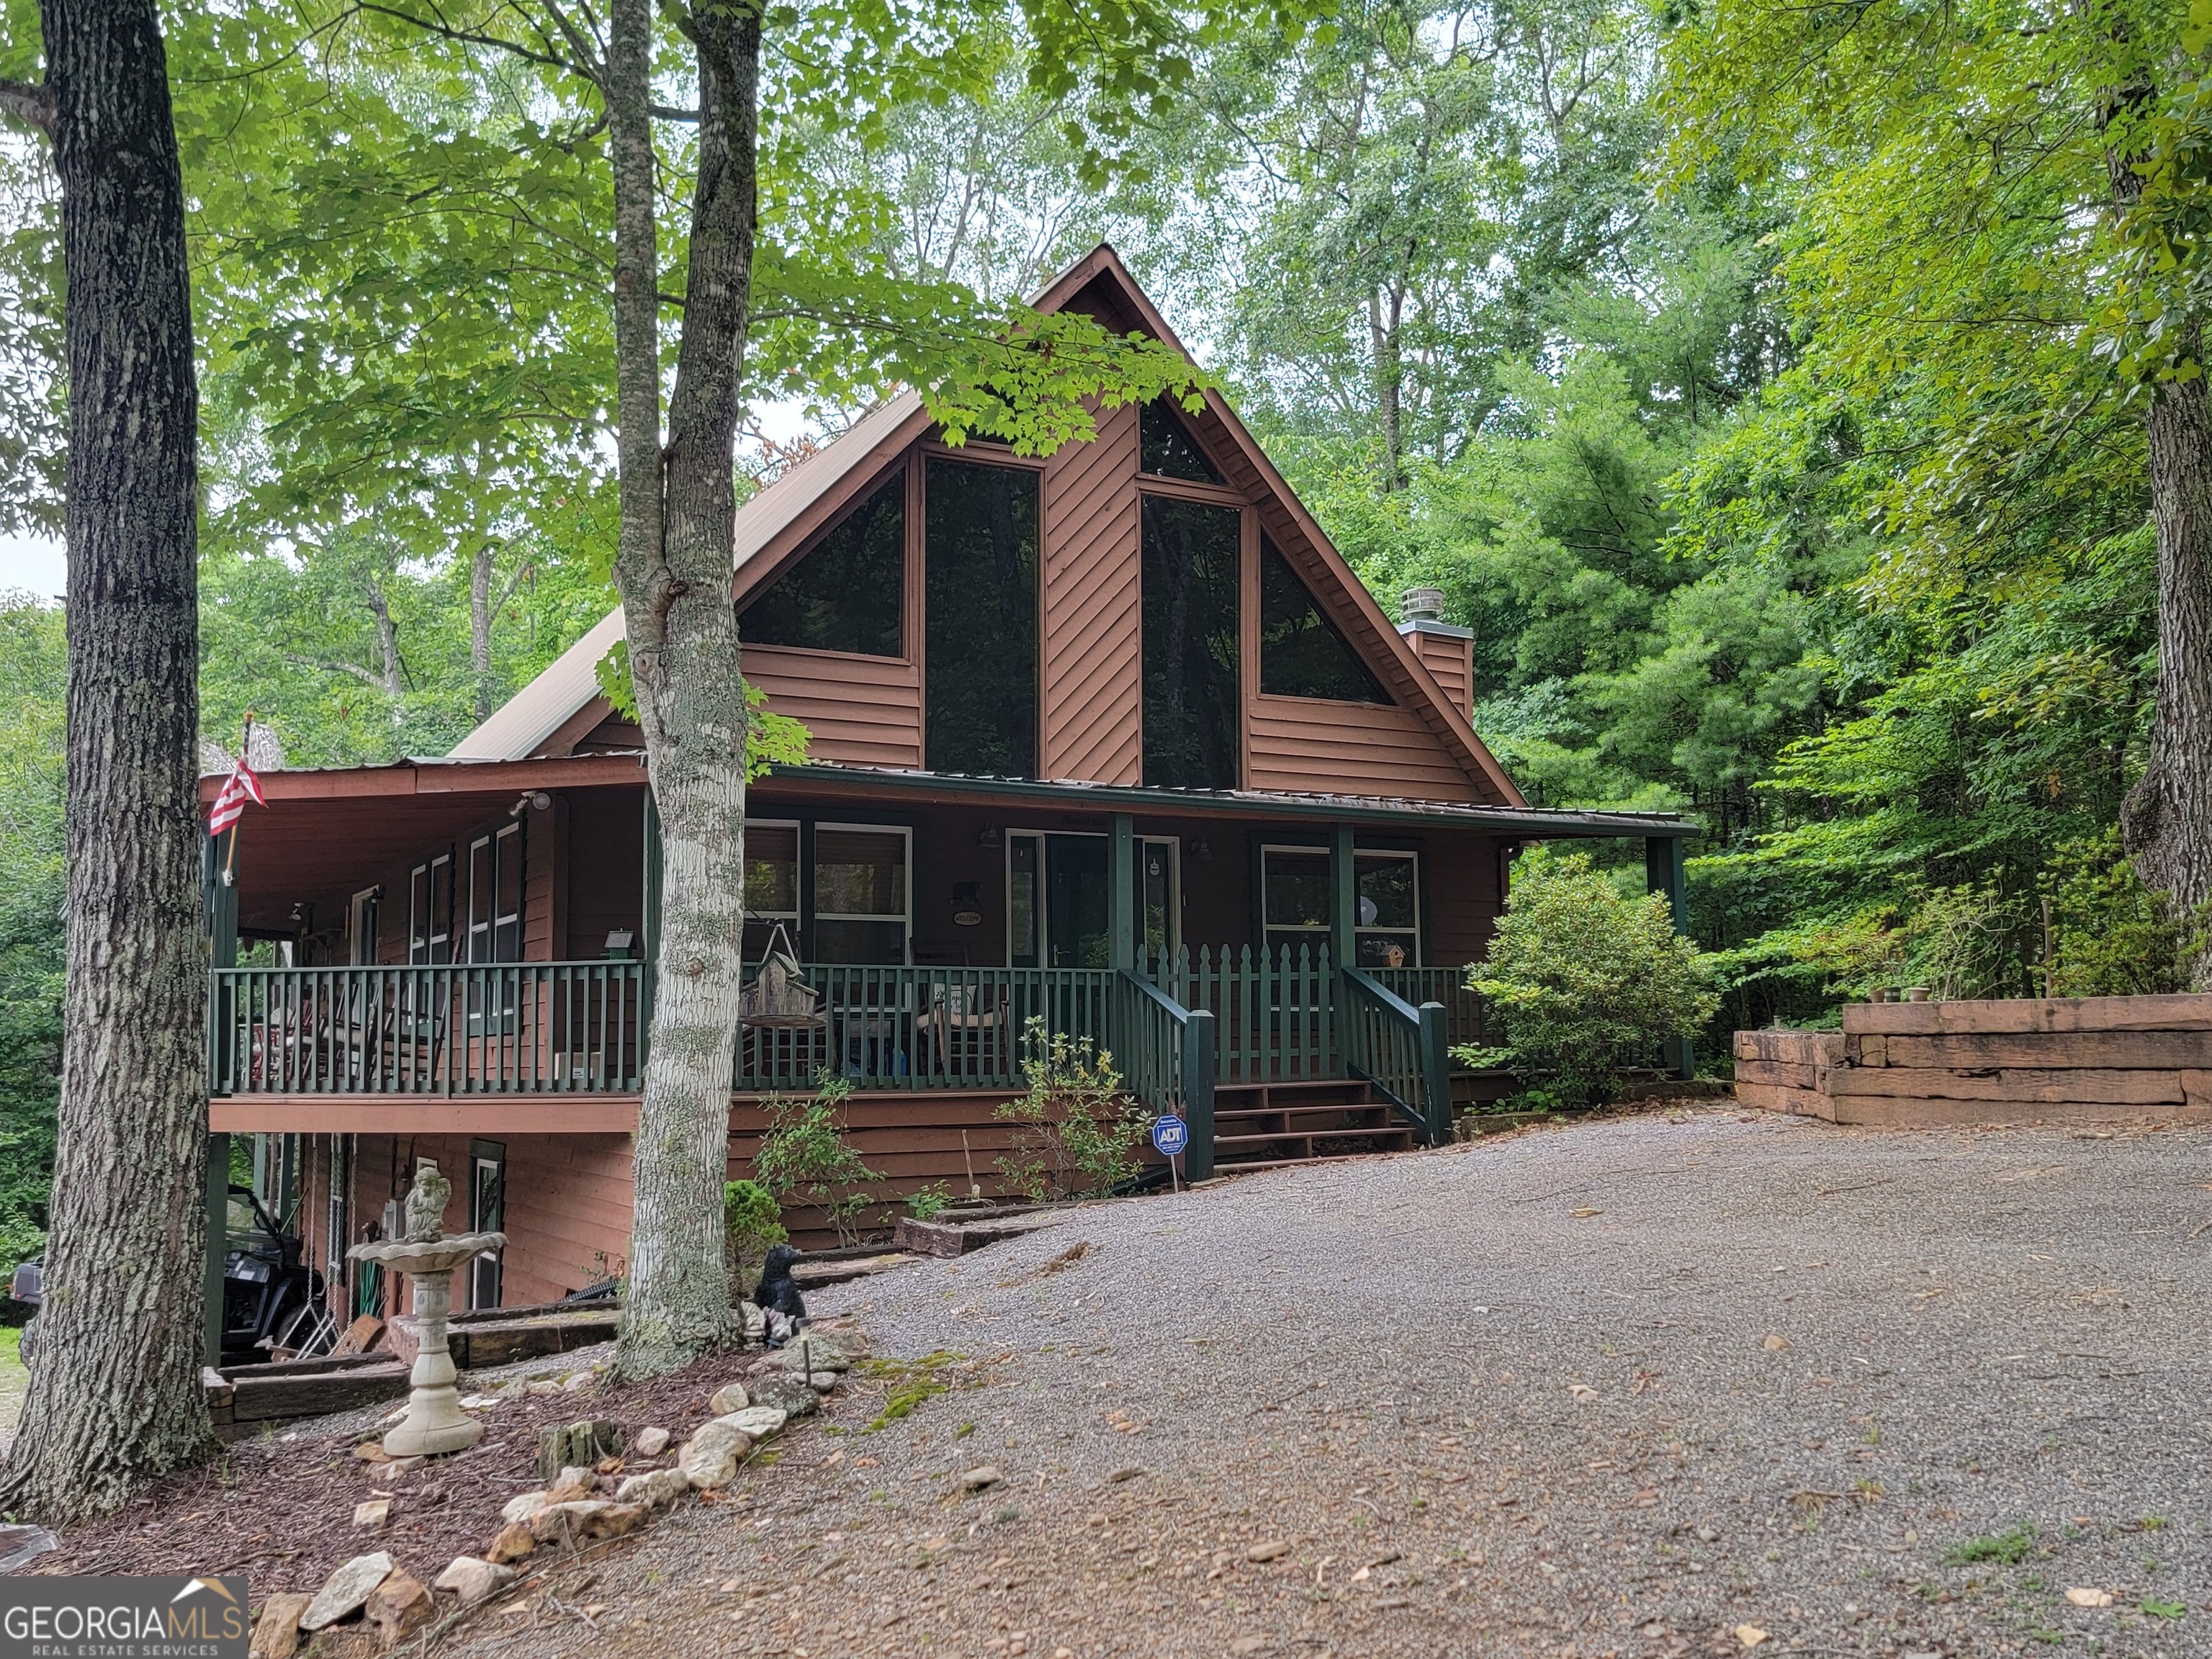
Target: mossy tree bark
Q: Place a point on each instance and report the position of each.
(674, 567)
(115, 1397)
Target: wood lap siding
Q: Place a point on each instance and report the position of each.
(568, 1204)
(1349, 748)
(862, 711)
(1460, 874)
(1090, 678)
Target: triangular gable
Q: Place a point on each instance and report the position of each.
(1103, 285)
(558, 708)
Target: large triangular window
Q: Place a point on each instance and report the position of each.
(848, 592)
(1166, 449)
(1302, 654)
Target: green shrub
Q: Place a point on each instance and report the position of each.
(1077, 1132)
(806, 1157)
(2110, 935)
(1585, 983)
(926, 1201)
(752, 1223)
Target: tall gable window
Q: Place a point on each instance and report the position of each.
(980, 556)
(1302, 654)
(1168, 451)
(848, 592)
(1192, 703)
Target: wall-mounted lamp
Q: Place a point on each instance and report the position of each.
(989, 837)
(1198, 850)
(536, 800)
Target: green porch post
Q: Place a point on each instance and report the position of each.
(1663, 873)
(1344, 898)
(1121, 895)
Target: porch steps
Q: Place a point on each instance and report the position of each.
(1264, 1125)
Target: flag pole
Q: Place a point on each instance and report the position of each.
(244, 758)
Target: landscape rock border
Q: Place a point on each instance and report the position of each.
(375, 1593)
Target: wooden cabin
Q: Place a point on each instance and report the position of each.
(1115, 741)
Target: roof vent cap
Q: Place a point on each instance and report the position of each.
(1421, 604)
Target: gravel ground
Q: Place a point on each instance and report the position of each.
(1648, 1386)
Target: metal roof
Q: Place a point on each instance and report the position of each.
(517, 727)
(1529, 821)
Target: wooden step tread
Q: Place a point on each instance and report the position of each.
(1221, 1112)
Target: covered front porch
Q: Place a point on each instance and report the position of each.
(1210, 940)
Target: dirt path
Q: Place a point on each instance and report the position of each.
(1616, 1389)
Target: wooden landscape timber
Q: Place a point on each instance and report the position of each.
(2076, 1060)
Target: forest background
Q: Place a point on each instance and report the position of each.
(1806, 498)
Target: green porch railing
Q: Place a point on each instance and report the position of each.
(1274, 1013)
(1165, 1052)
(1400, 1050)
(509, 1028)
(1464, 1025)
(891, 1027)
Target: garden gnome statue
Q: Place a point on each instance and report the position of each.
(435, 1421)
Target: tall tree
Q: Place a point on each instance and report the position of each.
(2017, 194)
(116, 1395)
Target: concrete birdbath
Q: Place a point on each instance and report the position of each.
(435, 1422)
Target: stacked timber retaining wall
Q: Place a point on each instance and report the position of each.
(2079, 1060)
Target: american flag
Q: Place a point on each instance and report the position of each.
(230, 803)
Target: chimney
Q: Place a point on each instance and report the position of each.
(1446, 650)
(1421, 604)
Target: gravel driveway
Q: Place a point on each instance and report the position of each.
(1644, 1387)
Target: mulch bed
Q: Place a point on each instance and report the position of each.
(279, 1509)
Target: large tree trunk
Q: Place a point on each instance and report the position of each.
(115, 1396)
(2167, 818)
(674, 566)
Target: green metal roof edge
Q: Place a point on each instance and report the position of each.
(1525, 821)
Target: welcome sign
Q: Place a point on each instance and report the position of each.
(123, 1619)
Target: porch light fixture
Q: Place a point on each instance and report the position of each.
(989, 837)
(534, 800)
(1198, 849)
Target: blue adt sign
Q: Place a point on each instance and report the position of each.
(1170, 1135)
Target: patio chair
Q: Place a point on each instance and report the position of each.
(967, 1023)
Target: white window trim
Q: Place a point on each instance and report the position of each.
(905, 833)
(364, 949)
(1322, 929)
(427, 938)
(1414, 959)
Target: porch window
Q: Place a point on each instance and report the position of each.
(980, 559)
(860, 894)
(1166, 448)
(848, 592)
(496, 871)
(1386, 933)
(1296, 898)
(771, 885)
(1303, 652)
(1192, 702)
(430, 912)
(1390, 909)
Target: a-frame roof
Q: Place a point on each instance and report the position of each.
(1101, 284)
